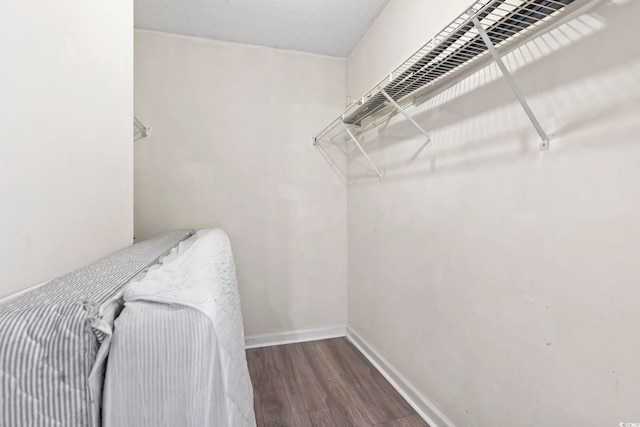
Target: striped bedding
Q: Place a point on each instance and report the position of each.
(177, 356)
(50, 339)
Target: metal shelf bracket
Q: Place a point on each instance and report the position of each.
(364, 153)
(405, 114)
(544, 144)
(139, 130)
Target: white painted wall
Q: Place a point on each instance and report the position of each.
(502, 281)
(230, 147)
(66, 179)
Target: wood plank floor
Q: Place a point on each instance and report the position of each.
(323, 383)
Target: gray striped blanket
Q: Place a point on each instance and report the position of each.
(48, 346)
(177, 357)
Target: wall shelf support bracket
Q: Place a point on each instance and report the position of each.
(544, 144)
(364, 153)
(139, 130)
(405, 114)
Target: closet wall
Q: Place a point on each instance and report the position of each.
(500, 280)
(227, 149)
(66, 152)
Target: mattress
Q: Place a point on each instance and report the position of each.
(177, 354)
(50, 339)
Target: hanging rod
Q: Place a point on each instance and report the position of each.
(483, 34)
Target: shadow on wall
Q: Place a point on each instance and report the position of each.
(265, 281)
(580, 73)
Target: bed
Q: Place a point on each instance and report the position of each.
(149, 336)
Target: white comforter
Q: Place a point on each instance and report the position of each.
(177, 354)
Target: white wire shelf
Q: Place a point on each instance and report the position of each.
(139, 130)
(478, 36)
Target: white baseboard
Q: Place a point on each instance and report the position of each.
(425, 408)
(290, 337)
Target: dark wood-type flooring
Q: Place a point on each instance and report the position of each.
(323, 383)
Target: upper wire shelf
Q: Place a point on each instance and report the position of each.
(481, 34)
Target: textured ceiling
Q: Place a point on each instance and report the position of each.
(329, 27)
